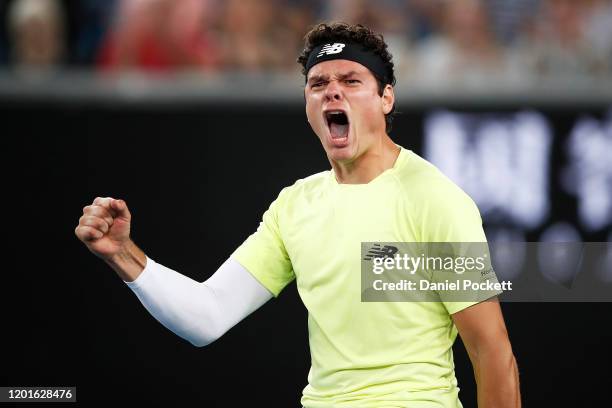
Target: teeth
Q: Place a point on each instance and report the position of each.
(330, 113)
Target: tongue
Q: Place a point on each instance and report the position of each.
(338, 131)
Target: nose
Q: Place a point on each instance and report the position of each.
(332, 92)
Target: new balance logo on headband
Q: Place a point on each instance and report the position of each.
(329, 49)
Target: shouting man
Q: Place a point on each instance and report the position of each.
(364, 354)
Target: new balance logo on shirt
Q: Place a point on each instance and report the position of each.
(386, 251)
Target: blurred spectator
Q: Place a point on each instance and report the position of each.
(465, 50)
(3, 34)
(558, 46)
(510, 19)
(424, 18)
(92, 19)
(598, 34)
(36, 33)
(359, 11)
(299, 16)
(161, 35)
(260, 34)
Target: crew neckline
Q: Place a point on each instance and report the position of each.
(401, 157)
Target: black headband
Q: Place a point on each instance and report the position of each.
(352, 52)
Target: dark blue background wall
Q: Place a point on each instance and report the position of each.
(197, 179)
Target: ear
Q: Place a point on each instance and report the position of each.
(388, 99)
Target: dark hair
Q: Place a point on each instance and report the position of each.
(325, 33)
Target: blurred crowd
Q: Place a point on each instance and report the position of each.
(431, 40)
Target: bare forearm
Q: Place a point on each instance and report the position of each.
(497, 379)
(129, 262)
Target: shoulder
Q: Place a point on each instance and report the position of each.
(305, 187)
(439, 208)
(424, 184)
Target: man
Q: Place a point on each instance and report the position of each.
(364, 354)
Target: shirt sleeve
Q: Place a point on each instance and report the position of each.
(454, 218)
(263, 253)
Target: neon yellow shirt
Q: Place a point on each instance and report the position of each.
(366, 354)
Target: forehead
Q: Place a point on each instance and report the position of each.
(338, 67)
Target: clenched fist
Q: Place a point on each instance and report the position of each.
(105, 227)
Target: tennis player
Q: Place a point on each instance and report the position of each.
(364, 354)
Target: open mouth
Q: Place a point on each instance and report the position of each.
(338, 124)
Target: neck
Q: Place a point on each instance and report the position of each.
(369, 165)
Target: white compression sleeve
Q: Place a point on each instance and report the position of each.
(200, 312)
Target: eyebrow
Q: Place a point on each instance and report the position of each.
(324, 77)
